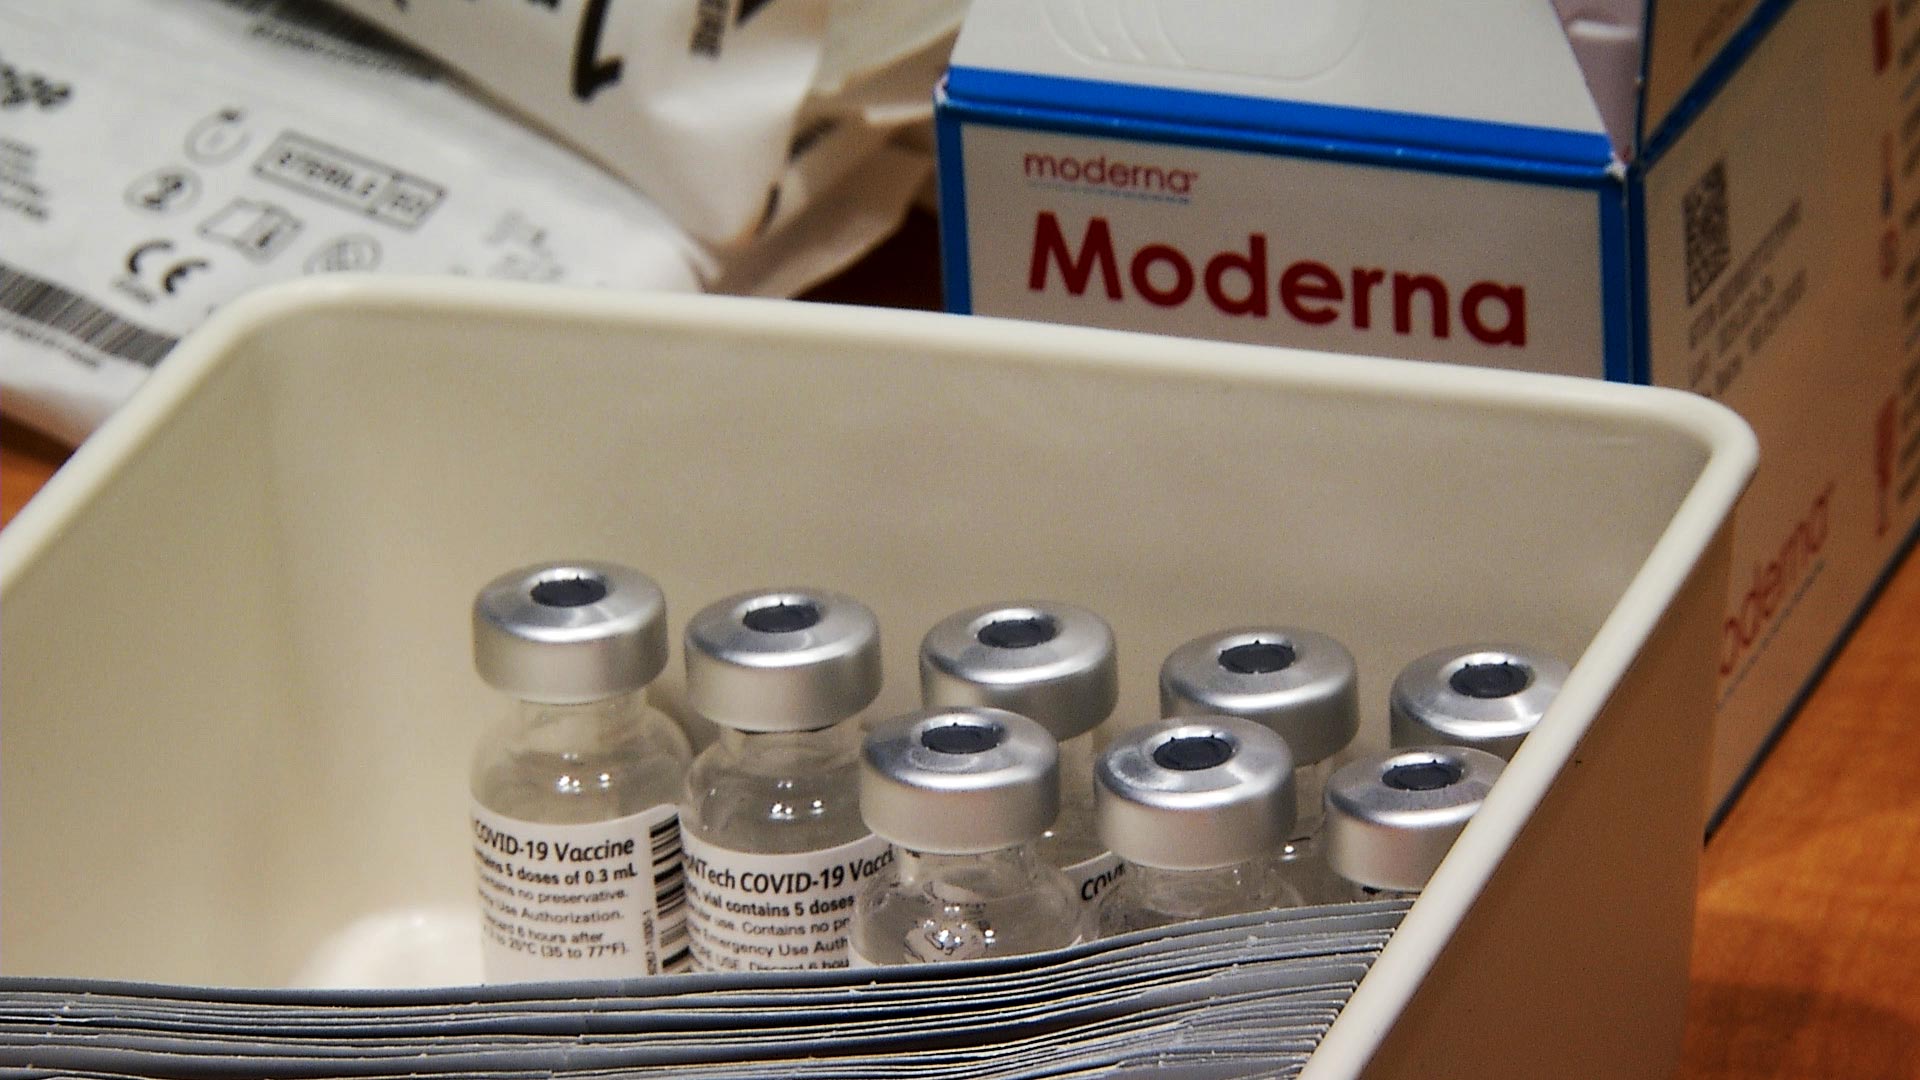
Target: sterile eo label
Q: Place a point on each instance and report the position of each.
(600, 900)
(752, 912)
(1093, 877)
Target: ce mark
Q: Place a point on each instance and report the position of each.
(168, 276)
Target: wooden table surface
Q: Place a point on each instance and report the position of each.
(1806, 960)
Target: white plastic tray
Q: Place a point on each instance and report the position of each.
(236, 700)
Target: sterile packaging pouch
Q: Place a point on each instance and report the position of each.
(697, 103)
(135, 201)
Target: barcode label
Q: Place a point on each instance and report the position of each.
(67, 313)
(670, 895)
(1708, 235)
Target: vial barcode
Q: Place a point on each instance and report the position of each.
(670, 895)
(665, 841)
(676, 948)
(670, 899)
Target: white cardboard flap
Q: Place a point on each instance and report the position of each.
(1502, 63)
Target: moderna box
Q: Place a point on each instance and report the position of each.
(1717, 197)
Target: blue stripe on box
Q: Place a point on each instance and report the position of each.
(1204, 118)
(956, 279)
(1318, 149)
(1618, 283)
(1637, 268)
(1647, 17)
(1714, 78)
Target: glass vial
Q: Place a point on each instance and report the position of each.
(964, 795)
(1486, 696)
(576, 836)
(1300, 684)
(1196, 807)
(776, 848)
(1054, 664)
(1391, 817)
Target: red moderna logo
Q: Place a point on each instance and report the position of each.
(1246, 283)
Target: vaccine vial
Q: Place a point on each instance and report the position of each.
(1300, 684)
(1391, 817)
(1486, 696)
(576, 835)
(1051, 663)
(775, 845)
(964, 795)
(1196, 807)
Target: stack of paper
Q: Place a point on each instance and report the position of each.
(1242, 996)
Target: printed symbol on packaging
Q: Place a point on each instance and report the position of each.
(355, 251)
(1882, 38)
(1709, 236)
(163, 191)
(218, 137)
(1886, 447)
(1886, 174)
(258, 230)
(19, 89)
(151, 266)
(710, 28)
(527, 257)
(343, 178)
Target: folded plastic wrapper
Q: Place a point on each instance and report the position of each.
(1243, 996)
(160, 157)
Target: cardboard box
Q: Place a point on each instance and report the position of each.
(1716, 197)
(239, 699)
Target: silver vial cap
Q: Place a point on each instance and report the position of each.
(782, 659)
(1487, 696)
(566, 633)
(959, 781)
(1300, 683)
(1391, 817)
(1050, 662)
(1195, 793)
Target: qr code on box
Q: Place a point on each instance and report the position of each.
(1709, 245)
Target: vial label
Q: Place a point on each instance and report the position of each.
(600, 900)
(1093, 877)
(752, 912)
